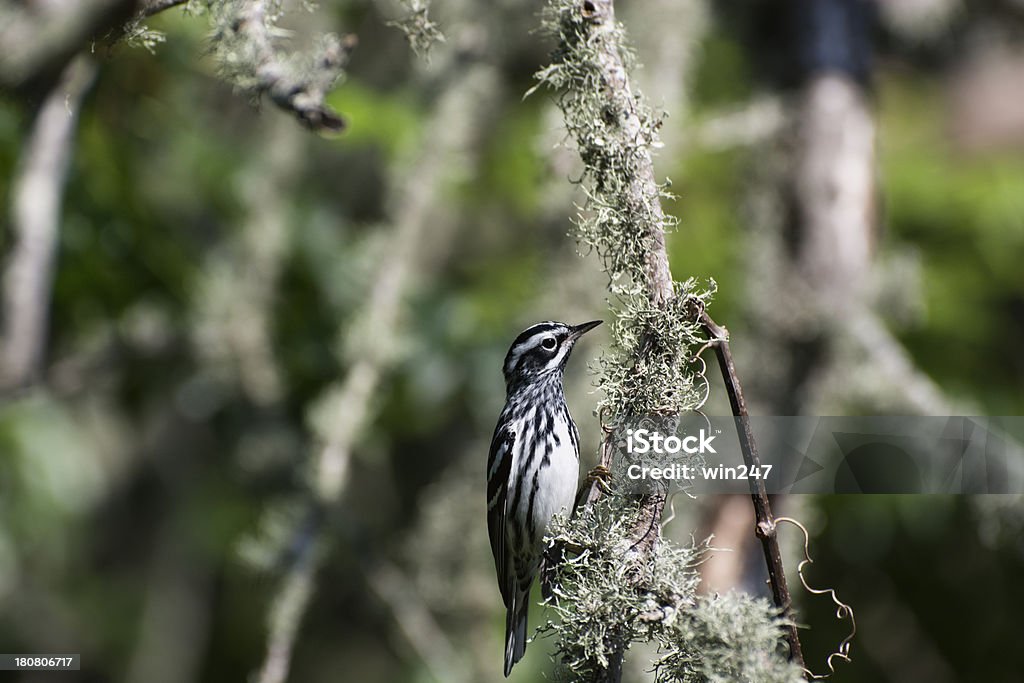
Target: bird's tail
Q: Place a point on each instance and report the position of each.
(515, 630)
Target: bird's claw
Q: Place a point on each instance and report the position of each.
(600, 476)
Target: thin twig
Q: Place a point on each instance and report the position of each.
(156, 6)
(247, 27)
(766, 527)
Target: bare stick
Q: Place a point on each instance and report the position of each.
(35, 217)
(766, 528)
(156, 6)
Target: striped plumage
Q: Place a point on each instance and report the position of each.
(533, 466)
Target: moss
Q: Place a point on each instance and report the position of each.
(606, 596)
(648, 367)
(601, 607)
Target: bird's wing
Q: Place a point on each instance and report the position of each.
(499, 467)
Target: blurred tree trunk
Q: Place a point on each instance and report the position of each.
(834, 189)
(824, 241)
(829, 193)
(36, 195)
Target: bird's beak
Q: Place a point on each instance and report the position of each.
(580, 330)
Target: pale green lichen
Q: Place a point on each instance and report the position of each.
(648, 368)
(250, 50)
(420, 30)
(607, 598)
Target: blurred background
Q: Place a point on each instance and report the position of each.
(257, 401)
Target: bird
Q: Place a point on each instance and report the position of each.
(532, 466)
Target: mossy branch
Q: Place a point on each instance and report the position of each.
(249, 56)
(420, 30)
(606, 597)
(647, 369)
(627, 584)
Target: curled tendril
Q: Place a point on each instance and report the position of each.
(701, 375)
(843, 610)
(671, 509)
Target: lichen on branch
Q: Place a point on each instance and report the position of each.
(420, 30)
(621, 583)
(246, 42)
(648, 368)
(607, 598)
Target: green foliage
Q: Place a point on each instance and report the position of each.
(722, 76)
(712, 245)
(516, 170)
(963, 211)
(386, 121)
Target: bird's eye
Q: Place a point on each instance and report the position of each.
(549, 343)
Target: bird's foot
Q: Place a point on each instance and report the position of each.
(602, 477)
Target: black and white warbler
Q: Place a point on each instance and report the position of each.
(533, 466)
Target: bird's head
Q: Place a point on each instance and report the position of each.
(541, 350)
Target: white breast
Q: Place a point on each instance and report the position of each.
(557, 481)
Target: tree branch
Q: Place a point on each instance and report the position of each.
(643, 193)
(648, 369)
(151, 7)
(765, 523)
(625, 185)
(249, 57)
(36, 194)
(38, 45)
